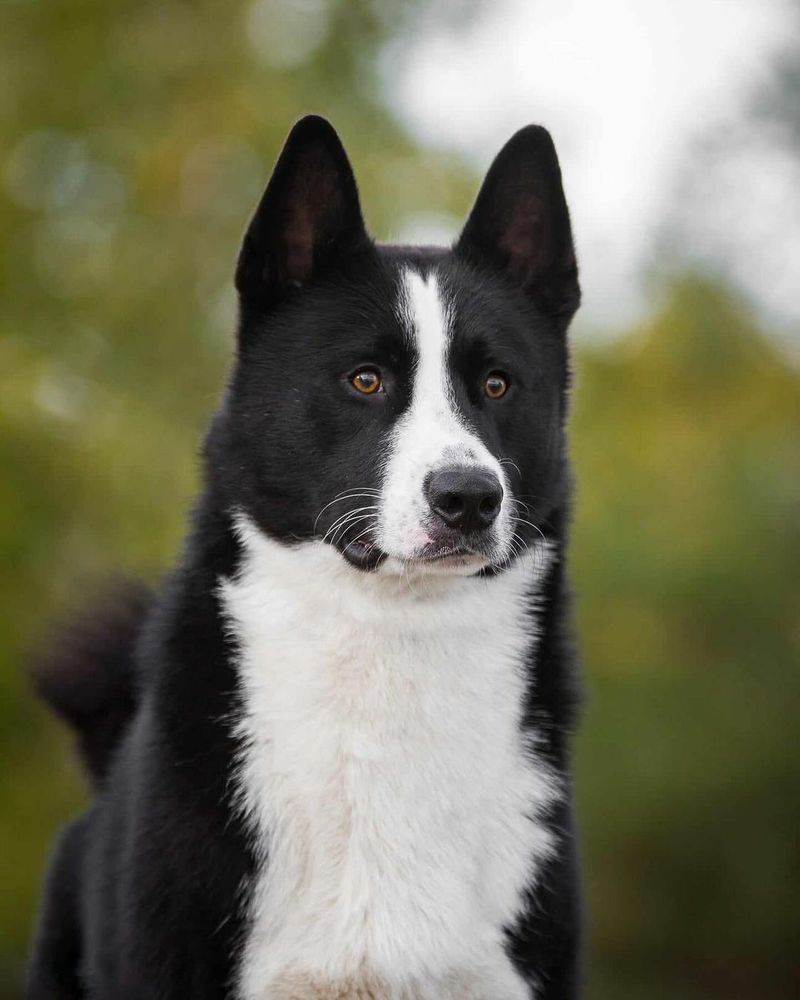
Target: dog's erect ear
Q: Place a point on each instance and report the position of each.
(308, 216)
(520, 224)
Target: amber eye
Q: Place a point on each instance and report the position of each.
(366, 380)
(496, 385)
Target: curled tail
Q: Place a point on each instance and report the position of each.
(88, 677)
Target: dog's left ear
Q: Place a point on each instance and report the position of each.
(520, 224)
(308, 216)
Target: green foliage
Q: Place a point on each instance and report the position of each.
(136, 141)
(687, 564)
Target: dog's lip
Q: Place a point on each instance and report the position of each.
(452, 553)
(363, 555)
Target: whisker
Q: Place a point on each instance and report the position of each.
(536, 496)
(517, 545)
(367, 492)
(345, 518)
(507, 461)
(346, 527)
(352, 541)
(339, 521)
(519, 503)
(408, 579)
(341, 529)
(521, 520)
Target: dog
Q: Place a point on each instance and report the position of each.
(331, 756)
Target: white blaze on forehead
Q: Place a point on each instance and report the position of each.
(431, 434)
(427, 320)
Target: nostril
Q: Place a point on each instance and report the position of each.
(489, 507)
(449, 503)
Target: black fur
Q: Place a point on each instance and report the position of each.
(88, 675)
(146, 893)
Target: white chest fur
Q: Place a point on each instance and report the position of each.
(385, 777)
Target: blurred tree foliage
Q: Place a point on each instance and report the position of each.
(687, 563)
(134, 140)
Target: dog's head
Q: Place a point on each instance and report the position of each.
(405, 405)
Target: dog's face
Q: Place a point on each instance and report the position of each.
(404, 405)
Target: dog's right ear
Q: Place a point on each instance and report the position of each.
(520, 224)
(308, 217)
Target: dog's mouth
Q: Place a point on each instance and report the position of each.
(446, 554)
(450, 562)
(440, 555)
(365, 555)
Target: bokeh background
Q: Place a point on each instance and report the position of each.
(135, 138)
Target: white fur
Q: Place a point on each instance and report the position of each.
(431, 434)
(384, 773)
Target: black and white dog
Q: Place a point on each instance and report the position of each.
(331, 757)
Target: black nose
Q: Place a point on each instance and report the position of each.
(467, 499)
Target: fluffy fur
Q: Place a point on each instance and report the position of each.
(341, 767)
(399, 803)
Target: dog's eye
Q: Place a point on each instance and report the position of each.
(367, 380)
(496, 385)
